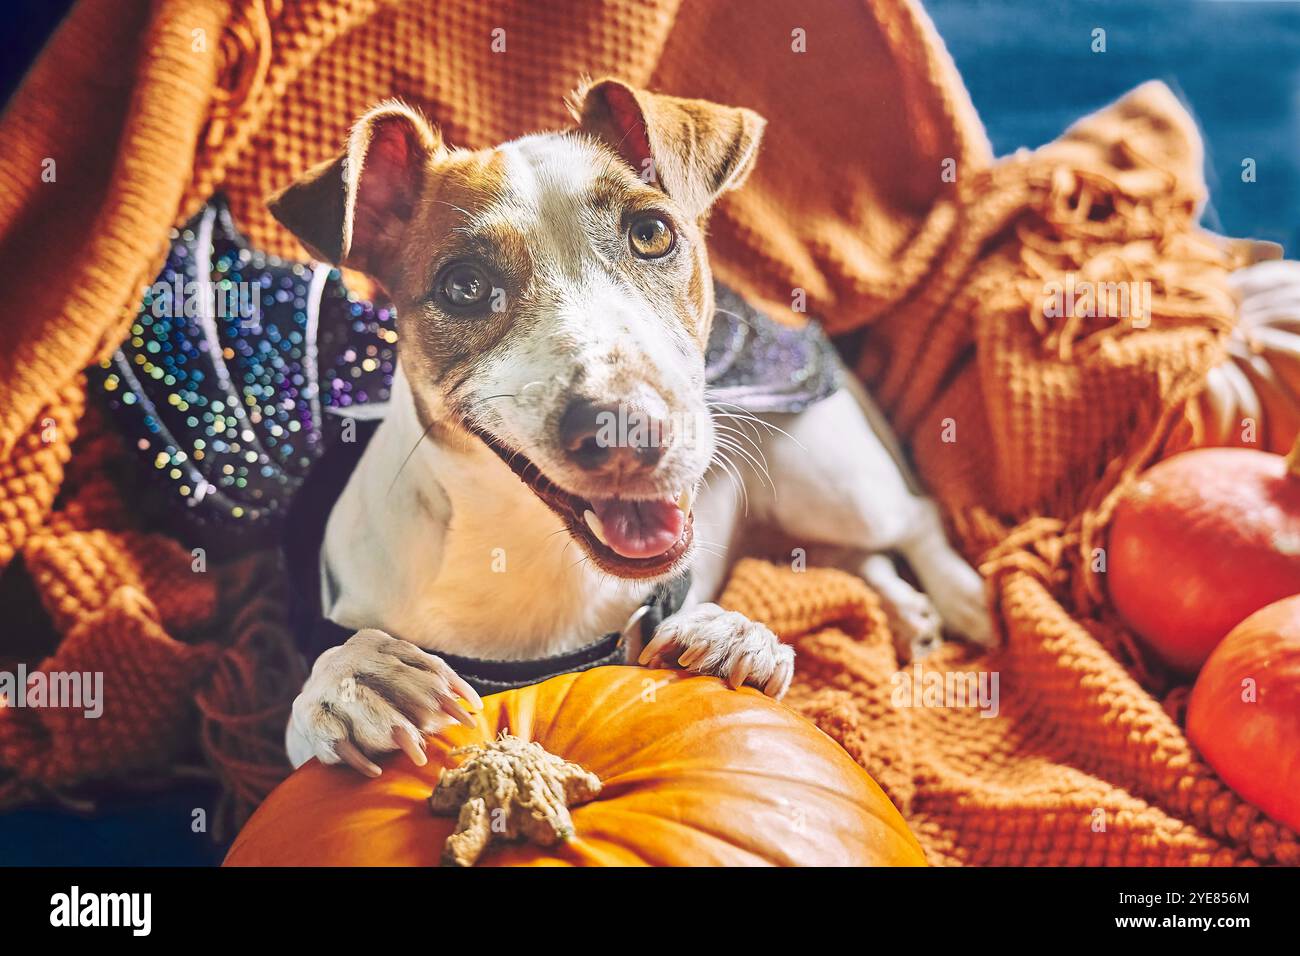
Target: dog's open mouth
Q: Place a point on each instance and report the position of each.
(625, 537)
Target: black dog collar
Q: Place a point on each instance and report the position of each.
(491, 676)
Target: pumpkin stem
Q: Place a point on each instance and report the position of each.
(507, 790)
(1293, 458)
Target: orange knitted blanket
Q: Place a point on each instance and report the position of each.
(876, 201)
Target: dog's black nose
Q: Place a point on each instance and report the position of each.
(612, 437)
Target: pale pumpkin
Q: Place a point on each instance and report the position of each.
(1244, 712)
(1201, 541)
(691, 772)
(1252, 398)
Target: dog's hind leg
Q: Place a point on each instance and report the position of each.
(837, 481)
(914, 621)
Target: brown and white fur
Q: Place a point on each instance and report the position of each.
(436, 542)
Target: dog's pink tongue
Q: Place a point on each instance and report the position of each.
(639, 529)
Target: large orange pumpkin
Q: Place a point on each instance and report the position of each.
(1203, 540)
(693, 773)
(1244, 712)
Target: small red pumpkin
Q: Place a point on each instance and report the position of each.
(1203, 540)
(1244, 712)
(691, 773)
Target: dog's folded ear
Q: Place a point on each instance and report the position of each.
(352, 210)
(693, 150)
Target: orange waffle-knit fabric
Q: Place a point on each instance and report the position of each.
(876, 200)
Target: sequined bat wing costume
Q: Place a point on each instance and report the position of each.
(242, 368)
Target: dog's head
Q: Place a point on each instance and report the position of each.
(553, 296)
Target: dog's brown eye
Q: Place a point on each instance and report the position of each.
(463, 287)
(651, 237)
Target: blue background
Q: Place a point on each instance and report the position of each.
(1235, 64)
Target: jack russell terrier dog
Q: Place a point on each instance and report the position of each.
(554, 302)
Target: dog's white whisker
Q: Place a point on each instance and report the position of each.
(739, 427)
(747, 422)
(736, 484)
(759, 468)
(742, 413)
(733, 472)
(758, 450)
(750, 417)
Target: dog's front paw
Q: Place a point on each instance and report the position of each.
(710, 640)
(374, 694)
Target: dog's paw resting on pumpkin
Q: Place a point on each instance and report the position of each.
(372, 695)
(709, 640)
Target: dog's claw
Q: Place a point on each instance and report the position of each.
(779, 682)
(411, 745)
(690, 657)
(452, 708)
(354, 758)
(652, 650)
(462, 689)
